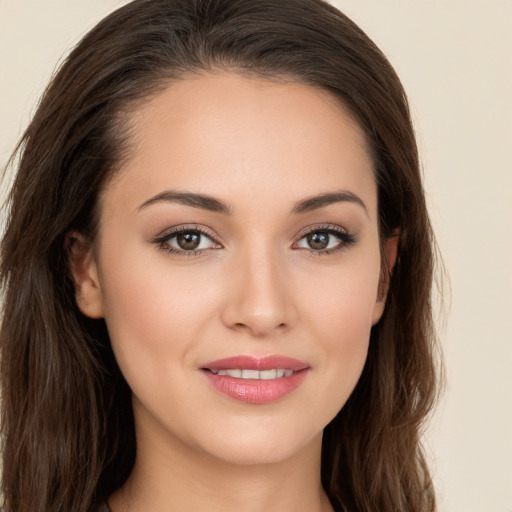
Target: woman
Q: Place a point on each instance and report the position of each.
(217, 270)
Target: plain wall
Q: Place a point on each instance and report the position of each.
(454, 58)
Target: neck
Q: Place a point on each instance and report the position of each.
(171, 476)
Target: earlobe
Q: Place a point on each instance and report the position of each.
(84, 273)
(388, 264)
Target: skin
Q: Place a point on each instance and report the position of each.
(254, 287)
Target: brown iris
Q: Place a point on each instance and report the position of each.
(318, 240)
(189, 240)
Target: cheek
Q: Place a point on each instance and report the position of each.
(154, 315)
(343, 298)
(341, 321)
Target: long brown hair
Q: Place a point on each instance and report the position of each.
(67, 424)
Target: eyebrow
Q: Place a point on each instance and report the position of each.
(213, 204)
(323, 200)
(189, 199)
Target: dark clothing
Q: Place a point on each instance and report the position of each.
(104, 507)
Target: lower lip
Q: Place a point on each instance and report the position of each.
(256, 391)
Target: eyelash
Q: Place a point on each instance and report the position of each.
(162, 241)
(346, 240)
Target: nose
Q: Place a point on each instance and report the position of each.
(260, 298)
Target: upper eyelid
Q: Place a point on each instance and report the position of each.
(212, 234)
(170, 232)
(319, 227)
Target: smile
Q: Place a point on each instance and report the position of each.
(255, 374)
(256, 380)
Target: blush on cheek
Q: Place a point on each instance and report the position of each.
(346, 323)
(153, 317)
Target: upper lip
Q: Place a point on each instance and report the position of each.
(256, 363)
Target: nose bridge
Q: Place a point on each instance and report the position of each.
(260, 302)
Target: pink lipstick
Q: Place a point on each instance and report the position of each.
(256, 380)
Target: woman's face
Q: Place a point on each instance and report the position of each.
(237, 266)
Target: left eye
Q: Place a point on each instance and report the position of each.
(321, 240)
(189, 240)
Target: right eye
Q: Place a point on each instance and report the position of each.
(186, 241)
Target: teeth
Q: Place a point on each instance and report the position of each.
(250, 374)
(231, 373)
(255, 374)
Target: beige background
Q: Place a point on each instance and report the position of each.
(454, 57)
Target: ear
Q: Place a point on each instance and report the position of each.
(84, 271)
(389, 259)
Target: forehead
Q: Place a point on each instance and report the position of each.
(225, 133)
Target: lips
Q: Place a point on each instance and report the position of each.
(256, 380)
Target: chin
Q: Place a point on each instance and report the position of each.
(261, 444)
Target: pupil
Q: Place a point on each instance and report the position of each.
(188, 241)
(318, 240)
